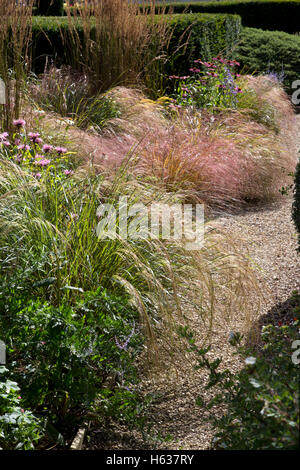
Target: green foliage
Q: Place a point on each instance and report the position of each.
(296, 203)
(50, 7)
(261, 399)
(19, 429)
(274, 15)
(267, 51)
(62, 356)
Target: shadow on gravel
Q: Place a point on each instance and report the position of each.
(280, 314)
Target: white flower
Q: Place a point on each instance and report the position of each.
(250, 360)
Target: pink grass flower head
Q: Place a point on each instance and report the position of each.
(19, 123)
(60, 150)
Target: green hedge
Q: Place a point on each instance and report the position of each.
(274, 15)
(296, 204)
(269, 51)
(209, 35)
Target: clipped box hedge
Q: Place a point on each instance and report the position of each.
(274, 15)
(270, 51)
(207, 35)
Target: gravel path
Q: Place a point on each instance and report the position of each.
(271, 240)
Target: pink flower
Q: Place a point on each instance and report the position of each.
(43, 162)
(19, 123)
(3, 136)
(60, 150)
(68, 172)
(23, 147)
(19, 397)
(47, 148)
(38, 175)
(35, 137)
(6, 143)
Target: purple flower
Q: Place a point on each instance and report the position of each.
(60, 150)
(19, 123)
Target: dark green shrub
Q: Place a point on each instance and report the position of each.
(261, 400)
(269, 51)
(50, 7)
(275, 15)
(296, 204)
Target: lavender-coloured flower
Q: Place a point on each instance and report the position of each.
(124, 346)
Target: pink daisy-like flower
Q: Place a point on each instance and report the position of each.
(47, 148)
(35, 137)
(3, 136)
(23, 147)
(19, 123)
(60, 150)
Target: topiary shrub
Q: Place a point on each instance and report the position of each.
(50, 7)
(296, 204)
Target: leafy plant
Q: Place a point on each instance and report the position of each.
(19, 429)
(261, 400)
(209, 88)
